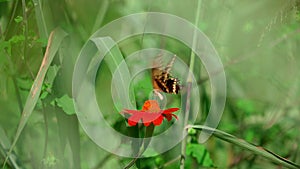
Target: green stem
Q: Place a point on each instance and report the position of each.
(26, 28)
(192, 61)
(189, 86)
(11, 19)
(258, 150)
(144, 145)
(46, 130)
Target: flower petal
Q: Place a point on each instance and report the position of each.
(131, 123)
(149, 117)
(147, 124)
(158, 121)
(130, 111)
(175, 116)
(169, 116)
(170, 111)
(134, 119)
(150, 113)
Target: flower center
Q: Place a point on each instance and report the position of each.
(151, 106)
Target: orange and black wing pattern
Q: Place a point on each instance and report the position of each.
(163, 81)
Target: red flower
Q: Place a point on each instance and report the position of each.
(150, 113)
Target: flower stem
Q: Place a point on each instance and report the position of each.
(143, 147)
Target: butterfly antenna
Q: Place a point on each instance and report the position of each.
(169, 66)
(158, 61)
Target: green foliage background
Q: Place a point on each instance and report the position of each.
(257, 41)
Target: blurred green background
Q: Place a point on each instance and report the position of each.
(257, 41)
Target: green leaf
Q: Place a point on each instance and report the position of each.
(18, 19)
(44, 93)
(43, 41)
(250, 135)
(54, 42)
(24, 83)
(192, 131)
(246, 105)
(159, 161)
(50, 161)
(5, 45)
(51, 74)
(66, 103)
(199, 152)
(47, 86)
(17, 39)
(121, 74)
(46, 89)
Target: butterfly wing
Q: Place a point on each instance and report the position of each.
(163, 81)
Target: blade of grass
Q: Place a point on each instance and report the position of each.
(119, 69)
(100, 15)
(258, 150)
(54, 41)
(40, 19)
(4, 145)
(114, 60)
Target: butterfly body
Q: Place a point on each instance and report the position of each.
(163, 81)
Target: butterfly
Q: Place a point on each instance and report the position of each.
(163, 81)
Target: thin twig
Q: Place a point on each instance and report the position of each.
(171, 161)
(227, 65)
(131, 163)
(284, 37)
